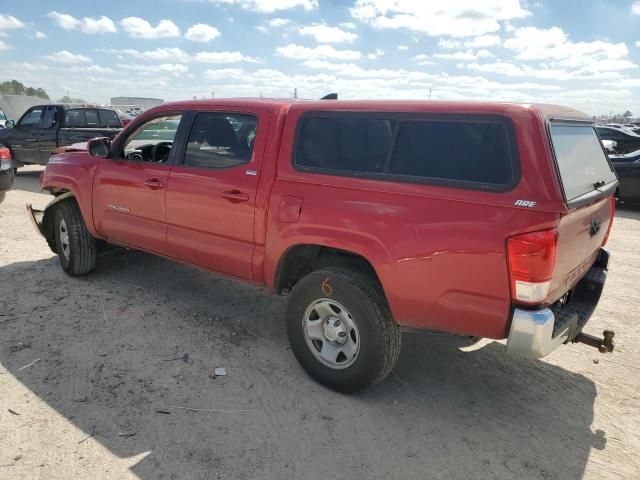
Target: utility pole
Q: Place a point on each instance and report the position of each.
(295, 93)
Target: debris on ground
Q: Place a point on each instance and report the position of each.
(184, 358)
(29, 364)
(12, 412)
(18, 347)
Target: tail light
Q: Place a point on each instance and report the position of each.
(5, 158)
(613, 214)
(532, 259)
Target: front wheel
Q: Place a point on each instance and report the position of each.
(76, 247)
(340, 329)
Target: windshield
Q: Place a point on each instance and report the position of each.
(581, 160)
(2, 117)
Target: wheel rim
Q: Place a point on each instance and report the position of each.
(64, 238)
(331, 333)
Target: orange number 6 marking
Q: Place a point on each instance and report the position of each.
(326, 288)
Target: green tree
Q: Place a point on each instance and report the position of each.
(14, 87)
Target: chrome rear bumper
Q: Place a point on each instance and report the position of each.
(537, 333)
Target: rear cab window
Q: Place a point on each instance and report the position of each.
(581, 160)
(465, 151)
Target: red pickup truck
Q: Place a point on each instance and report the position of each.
(477, 219)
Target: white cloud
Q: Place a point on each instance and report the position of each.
(326, 34)
(468, 55)
(9, 22)
(554, 47)
(201, 32)
(159, 54)
(65, 56)
(483, 41)
(222, 57)
(635, 8)
(86, 25)
(374, 55)
(548, 73)
(93, 69)
(279, 22)
(320, 52)
(423, 59)
(403, 47)
(460, 18)
(139, 28)
(175, 69)
(349, 25)
(40, 35)
(262, 29)
(269, 6)
(4, 46)
(223, 73)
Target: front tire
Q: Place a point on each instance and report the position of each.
(75, 246)
(340, 329)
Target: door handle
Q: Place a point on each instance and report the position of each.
(235, 196)
(154, 184)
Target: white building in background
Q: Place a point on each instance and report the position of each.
(142, 102)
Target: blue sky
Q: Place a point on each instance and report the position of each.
(583, 54)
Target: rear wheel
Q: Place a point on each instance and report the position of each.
(341, 330)
(75, 246)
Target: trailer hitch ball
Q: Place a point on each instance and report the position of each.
(604, 345)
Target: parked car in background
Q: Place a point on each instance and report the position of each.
(626, 141)
(125, 118)
(7, 173)
(3, 120)
(497, 232)
(43, 128)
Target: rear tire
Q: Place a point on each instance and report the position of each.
(75, 246)
(362, 347)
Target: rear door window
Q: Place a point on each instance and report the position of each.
(109, 118)
(74, 117)
(91, 115)
(459, 151)
(581, 160)
(346, 143)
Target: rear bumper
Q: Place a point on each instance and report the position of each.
(537, 333)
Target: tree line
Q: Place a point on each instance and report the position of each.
(13, 87)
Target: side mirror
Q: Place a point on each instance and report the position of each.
(610, 145)
(10, 124)
(99, 147)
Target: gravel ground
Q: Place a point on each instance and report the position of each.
(122, 355)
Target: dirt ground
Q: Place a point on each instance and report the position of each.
(94, 382)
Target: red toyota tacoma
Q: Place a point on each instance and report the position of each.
(477, 219)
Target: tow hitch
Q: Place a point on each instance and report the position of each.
(604, 344)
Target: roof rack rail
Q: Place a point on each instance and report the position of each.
(330, 96)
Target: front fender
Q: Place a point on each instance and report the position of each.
(72, 173)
